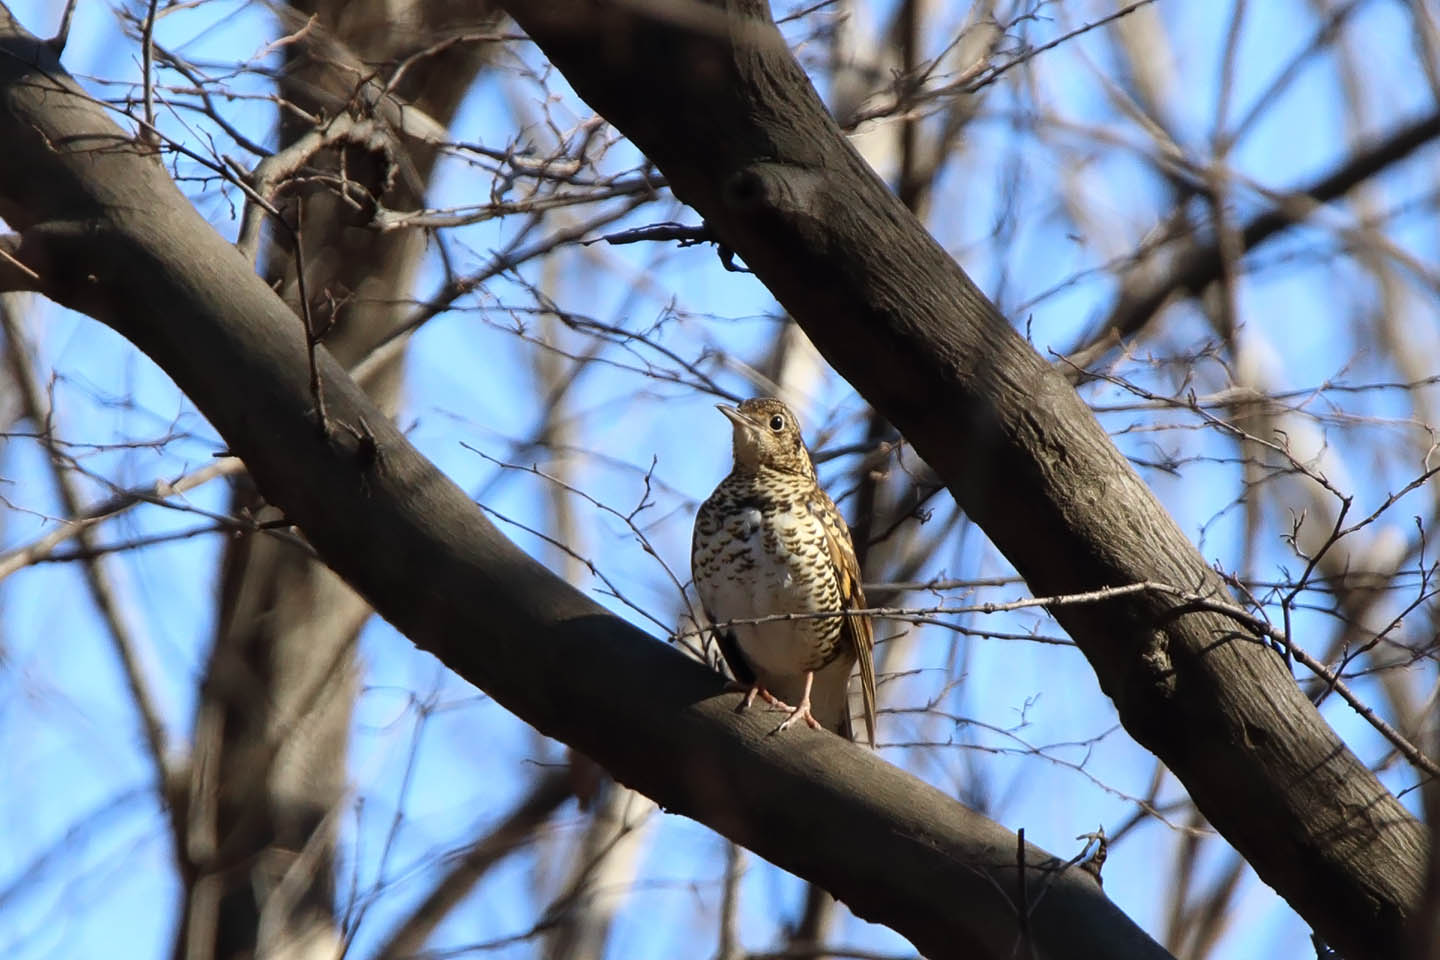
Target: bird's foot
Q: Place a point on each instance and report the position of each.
(801, 712)
(752, 691)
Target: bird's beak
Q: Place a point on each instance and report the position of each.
(732, 414)
(744, 426)
(746, 439)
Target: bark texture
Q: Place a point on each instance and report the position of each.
(102, 229)
(711, 94)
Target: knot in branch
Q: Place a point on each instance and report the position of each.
(779, 189)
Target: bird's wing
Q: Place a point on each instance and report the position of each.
(857, 630)
(729, 646)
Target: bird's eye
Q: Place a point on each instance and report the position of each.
(777, 423)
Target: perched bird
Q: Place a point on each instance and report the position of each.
(767, 542)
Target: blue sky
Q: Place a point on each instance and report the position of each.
(71, 738)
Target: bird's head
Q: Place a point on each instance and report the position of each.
(767, 435)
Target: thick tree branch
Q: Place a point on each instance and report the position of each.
(711, 94)
(106, 232)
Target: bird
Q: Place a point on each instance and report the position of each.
(769, 541)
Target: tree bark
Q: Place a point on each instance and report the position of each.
(710, 93)
(102, 229)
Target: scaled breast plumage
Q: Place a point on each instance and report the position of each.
(760, 550)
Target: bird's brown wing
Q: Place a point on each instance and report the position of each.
(730, 649)
(857, 631)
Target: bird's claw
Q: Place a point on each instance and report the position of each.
(801, 712)
(752, 691)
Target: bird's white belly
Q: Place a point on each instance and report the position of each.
(766, 582)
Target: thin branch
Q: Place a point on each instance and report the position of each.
(1198, 264)
(1189, 601)
(147, 69)
(102, 591)
(71, 527)
(978, 78)
(728, 947)
(544, 797)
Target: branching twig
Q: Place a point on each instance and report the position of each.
(102, 589)
(73, 526)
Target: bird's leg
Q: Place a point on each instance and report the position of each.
(803, 711)
(753, 690)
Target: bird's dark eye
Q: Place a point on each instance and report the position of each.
(777, 423)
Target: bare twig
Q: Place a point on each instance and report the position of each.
(544, 797)
(125, 644)
(978, 78)
(1189, 600)
(147, 69)
(73, 526)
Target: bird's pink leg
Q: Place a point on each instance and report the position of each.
(752, 691)
(802, 712)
